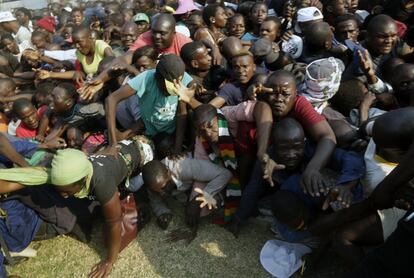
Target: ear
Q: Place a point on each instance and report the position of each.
(212, 19)
(194, 64)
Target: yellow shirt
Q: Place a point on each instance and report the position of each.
(92, 68)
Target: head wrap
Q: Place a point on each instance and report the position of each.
(48, 23)
(69, 166)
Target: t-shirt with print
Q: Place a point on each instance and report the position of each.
(157, 110)
(110, 172)
(175, 48)
(98, 56)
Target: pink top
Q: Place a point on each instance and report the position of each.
(175, 48)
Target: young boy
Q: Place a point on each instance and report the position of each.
(66, 110)
(177, 174)
(29, 116)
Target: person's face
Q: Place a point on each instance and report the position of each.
(144, 63)
(142, 6)
(352, 5)
(28, 115)
(383, 39)
(77, 17)
(290, 151)
(143, 26)
(203, 59)
(164, 187)
(71, 189)
(162, 34)
(229, 12)
(74, 138)
(338, 8)
(39, 42)
(209, 131)
(269, 30)
(11, 46)
(22, 18)
(220, 18)
(243, 68)
(258, 14)
(128, 36)
(194, 22)
(403, 85)
(82, 42)
(347, 30)
(127, 16)
(67, 33)
(237, 27)
(60, 101)
(283, 97)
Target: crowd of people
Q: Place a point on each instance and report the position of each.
(296, 108)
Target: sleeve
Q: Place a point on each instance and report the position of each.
(241, 112)
(380, 87)
(187, 79)
(23, 147)
(226, 93)
(62, 55)
(141, 41)
(138, 83)
(101, 46)
(350, 165)
(199, 152)
(215, 176)
(157, 204)
(304, 113)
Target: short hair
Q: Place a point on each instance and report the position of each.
(80, 29)
(69, 89)
(145, 51)
(77, 10)
(287, 207)
(45, 88)
(275, 19)
(210, 11)
(189, 50)
(245, 7)
(38, 34)
(117, 19)
(257, 4)
(236, 16)
(286, 126)
(7, 36)
(242, 54)
(25, 11)
(153, 171)
(348, 97)
(20, 104)
(204, 113)
(378, 20)
(316, 35)
(345, 17)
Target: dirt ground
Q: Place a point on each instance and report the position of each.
(214, 253)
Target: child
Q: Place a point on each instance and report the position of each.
(29, 116)
(176, 175)
(87, 142)
(66, 110)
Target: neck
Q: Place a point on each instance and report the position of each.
(201, 74)
(214, 29)
(256, 30)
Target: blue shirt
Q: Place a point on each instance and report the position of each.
(158, 112)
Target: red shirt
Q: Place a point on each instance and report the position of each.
(23, 131)
(304, 113)
(175, 48)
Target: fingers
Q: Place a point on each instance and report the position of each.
(198, 190)
(279, 167)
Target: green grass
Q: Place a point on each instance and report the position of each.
(214, 253)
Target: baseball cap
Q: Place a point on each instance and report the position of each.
(6, 17)
(141, 17)
(263, 49)
(294, 46)
(305, 15)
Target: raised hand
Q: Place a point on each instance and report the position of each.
(268, 167)
(206, 199)
(90, 88)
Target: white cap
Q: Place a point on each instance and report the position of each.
(6, 17)
(281, 259)
(294, 46)
(307, 14)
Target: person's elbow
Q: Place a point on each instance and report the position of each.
(322, 131)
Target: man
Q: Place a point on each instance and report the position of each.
(280, 94)
(142, 21)
(402, 82)
(305, 17)
(270, 28)
(129, 33)
(333, 9)
(318, 42)
(162, 36)
(198, 64)
(160, 108)
(11, 25)
(346, 28)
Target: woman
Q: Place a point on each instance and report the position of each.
(216, 19)
(72, 173)
(257, 15)
(236, 26)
